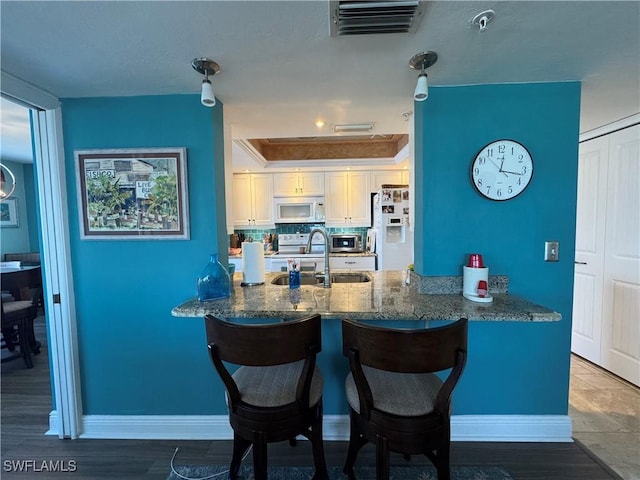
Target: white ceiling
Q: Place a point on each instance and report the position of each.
(281, 70)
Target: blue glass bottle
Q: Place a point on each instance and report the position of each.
(214, 282)
(294, 279)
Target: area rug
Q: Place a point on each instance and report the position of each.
(424, 472)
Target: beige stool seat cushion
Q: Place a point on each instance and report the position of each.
(275, 386)
(405, 394)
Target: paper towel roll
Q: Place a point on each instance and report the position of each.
(252, 263)
(470, 278)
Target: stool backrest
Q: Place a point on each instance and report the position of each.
(406, 351)
(262, 345)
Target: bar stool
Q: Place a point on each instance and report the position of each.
(276, 394)
(396, 401)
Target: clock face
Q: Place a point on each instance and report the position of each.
(502, 170)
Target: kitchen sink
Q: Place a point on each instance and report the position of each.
(350, 277)
(346, 277)
(304, 280)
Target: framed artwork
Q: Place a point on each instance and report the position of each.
(9, 213)
(134, 194)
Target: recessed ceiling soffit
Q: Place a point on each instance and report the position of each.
(330, 148)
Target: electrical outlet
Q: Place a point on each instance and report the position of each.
(551, 251)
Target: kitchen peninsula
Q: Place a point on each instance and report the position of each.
(385, 297)
(387, 300)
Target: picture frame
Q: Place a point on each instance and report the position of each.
(132, 194)
(9, 213)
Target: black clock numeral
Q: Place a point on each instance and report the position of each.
(501, 148)
(524, 170)
(499, 192)
(510, 190)
(482, 161)
(479, 182)
(488, 189)
(519, 182)
(490, 152)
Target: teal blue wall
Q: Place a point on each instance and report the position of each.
(135, 358)
(513, 367)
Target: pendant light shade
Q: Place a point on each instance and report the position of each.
(422, 88)
(207, 97)
(206, 67)
(422, 61)
(6, 191)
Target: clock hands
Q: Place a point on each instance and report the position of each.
(500, 168)
(495, 165)
(514, 173)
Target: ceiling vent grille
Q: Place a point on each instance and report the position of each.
(361, 17)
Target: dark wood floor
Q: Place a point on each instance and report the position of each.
(26, 403)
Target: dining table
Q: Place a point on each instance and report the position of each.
(19, 283)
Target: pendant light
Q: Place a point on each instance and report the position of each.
(422, 61)
(3, 182)
(206, 67)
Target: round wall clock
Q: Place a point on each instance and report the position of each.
(502, 170)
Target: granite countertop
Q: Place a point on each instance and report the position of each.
(270, 253)
(386, 297)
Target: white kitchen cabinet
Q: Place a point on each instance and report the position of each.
(253, 200)
(353, 262)
(347, 199)
(382, 177)
(298, 184)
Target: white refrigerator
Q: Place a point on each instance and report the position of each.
(394, 238)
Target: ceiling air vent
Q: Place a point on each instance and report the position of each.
(361, 17)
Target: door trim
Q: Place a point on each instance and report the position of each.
(49, 161)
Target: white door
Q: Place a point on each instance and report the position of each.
(621, 300)
(589, 259)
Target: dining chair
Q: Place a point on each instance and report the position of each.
(276, 393)
(17, 328)
(396, 400)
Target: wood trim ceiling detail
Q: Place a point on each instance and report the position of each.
(329, 148)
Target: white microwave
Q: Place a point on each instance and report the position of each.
(299, 210)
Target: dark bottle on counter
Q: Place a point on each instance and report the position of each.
(214, 282)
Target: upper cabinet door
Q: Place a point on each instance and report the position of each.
(285, 184)
(359, 199)
(263, 200)
(253, 200)
(347, 199)
(242, 203)
(336, 198)
(311, 183)
(306, 184)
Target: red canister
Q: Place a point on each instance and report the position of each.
(482, 288)
(475, 261)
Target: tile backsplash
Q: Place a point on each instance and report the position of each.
(258, 233)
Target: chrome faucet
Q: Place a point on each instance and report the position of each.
(326, 275)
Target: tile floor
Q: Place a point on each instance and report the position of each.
(606, 416)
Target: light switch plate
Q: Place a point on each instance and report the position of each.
(551, 251)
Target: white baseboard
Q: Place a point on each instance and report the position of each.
(477, 428)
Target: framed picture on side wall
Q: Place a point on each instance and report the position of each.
(133, 194)
(9, 213)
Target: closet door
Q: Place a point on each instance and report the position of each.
(621, 297)
(589, 260)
